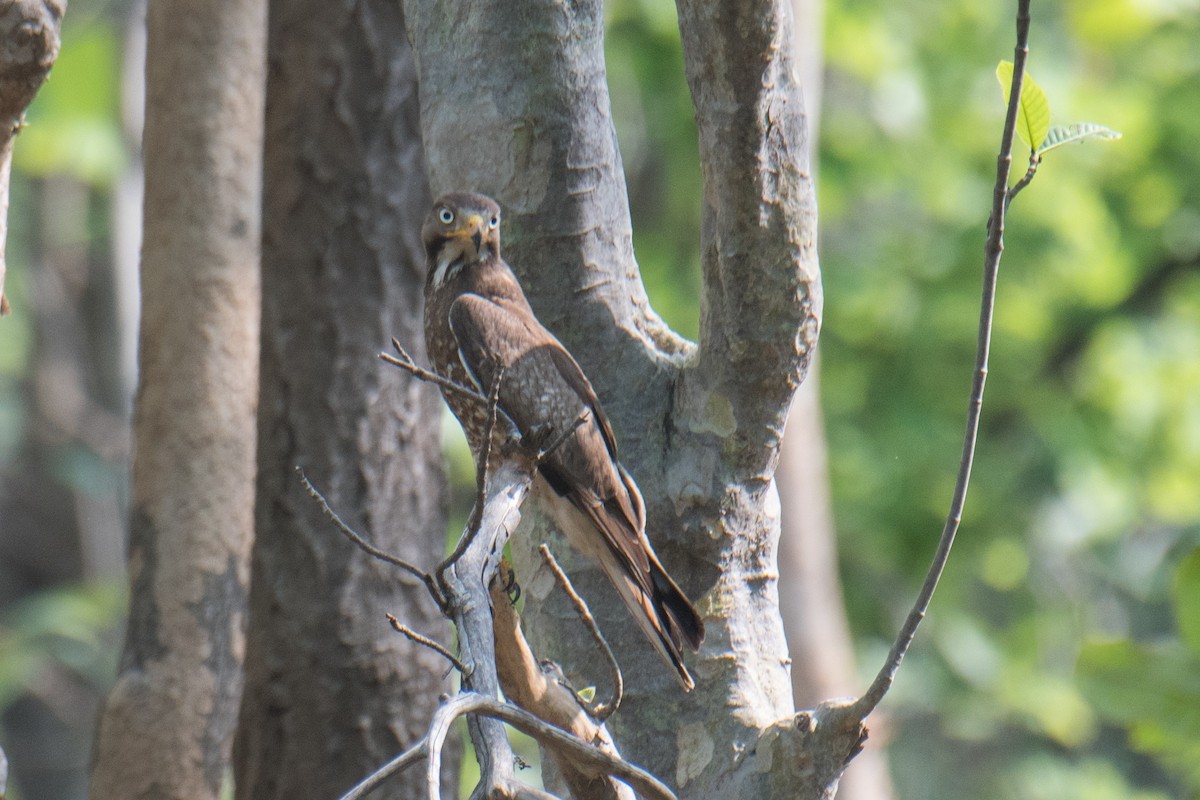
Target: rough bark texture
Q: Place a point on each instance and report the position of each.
(528, 122)
(29, 41)
(331, 691)
(166, 728)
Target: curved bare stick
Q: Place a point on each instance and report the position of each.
(601, 711)
(992, 252)
(440, 727)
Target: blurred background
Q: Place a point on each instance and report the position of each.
(1061, 658)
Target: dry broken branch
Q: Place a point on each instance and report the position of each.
(363, 544)
(601, 711)
(436, 647)
(406, 363)
(539, 688)
(29, 42)
(646, 785)
(593, 758)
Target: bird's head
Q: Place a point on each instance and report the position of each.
(462, 229)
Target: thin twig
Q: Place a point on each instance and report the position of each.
(398, 764)
(601, 711)
(540, 453)
(1034, 162)
(430, 643)
(366, 546)
(991, 266)
(405, 362)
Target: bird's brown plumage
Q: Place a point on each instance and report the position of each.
(477, 322)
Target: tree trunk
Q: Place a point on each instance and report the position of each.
(517, 106)
(166, 728)
(331, 690)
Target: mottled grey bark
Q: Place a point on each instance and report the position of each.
(166, 727)
(331, 691)
(516, 105)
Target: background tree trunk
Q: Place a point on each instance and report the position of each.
(166, 728)
(331, 690)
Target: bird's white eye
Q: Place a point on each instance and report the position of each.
(493, 222)
(446, 216)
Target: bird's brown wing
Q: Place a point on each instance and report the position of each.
(543, 389)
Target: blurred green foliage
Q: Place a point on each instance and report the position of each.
(71, 629)
(58, 638)
(1052, 664)
(73, 127)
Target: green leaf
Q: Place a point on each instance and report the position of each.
(1136, 684)
(1185, 593)
(1075, 133)
(1033, 118)
(588, 693)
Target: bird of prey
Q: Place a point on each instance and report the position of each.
(477, 324)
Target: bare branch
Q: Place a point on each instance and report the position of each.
(465, 583)
(601, 711)
(991, 266)
(430, 643)
(366, 546)
(405, 362)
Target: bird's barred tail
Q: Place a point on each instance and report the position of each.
(667, 617)
(677, 612)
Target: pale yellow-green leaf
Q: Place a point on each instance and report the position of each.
(1075, 133)
(1033, 117)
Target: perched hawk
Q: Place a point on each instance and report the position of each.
(477, 321)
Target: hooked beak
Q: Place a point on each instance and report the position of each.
(474, 230)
